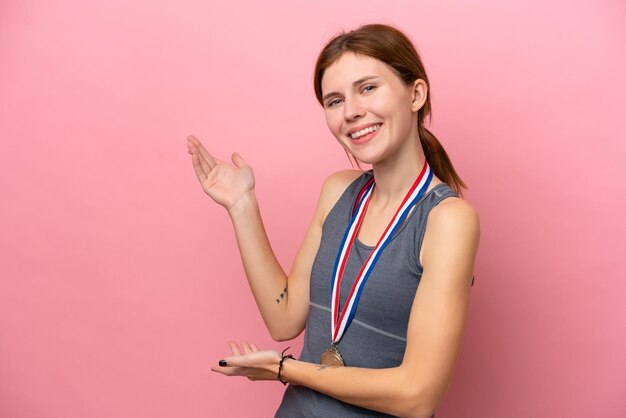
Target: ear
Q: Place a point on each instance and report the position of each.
(420, 94)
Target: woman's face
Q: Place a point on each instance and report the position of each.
(368, 108)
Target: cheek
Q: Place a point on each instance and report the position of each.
(384, 107)
(333, 123)
(401, 113)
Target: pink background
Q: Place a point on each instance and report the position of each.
(120, 281)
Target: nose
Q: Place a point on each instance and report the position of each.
(353, 110)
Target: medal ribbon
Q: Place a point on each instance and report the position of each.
(339, 323)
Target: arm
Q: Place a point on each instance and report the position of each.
(436, 324)
(283, 300)
(265, 276)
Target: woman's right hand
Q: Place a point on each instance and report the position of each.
(225, 183)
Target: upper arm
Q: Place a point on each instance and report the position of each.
(439, 309)
(299, 277)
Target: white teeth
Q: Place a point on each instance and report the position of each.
(362, 132)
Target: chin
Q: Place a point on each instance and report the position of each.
(364, 155)
(369, 161)
(368, 154)
(366, 158)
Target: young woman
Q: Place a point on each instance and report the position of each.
(382, 280)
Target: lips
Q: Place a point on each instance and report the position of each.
(363, 130)
(367, 136)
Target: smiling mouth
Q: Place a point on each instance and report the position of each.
(365, 131)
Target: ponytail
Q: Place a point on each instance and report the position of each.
(439, 161)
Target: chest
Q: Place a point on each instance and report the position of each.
(375, 223)
(387, 296)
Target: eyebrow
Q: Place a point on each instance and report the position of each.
(356, 83)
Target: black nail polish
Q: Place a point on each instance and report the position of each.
(223, 363)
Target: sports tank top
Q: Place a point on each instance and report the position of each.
(376, 338)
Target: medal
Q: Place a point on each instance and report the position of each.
(340, 321)
(332, 357)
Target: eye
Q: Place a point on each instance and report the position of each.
(333, 103)
(369, 88)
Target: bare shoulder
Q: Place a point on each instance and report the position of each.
(333, 188)
(452, 224)
(454, 213)
(451, 241)
(339, 181)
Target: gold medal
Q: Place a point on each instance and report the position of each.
(332, 357)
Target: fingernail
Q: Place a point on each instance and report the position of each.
(223, 363)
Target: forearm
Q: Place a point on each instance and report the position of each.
(266, 277)
(393, 391)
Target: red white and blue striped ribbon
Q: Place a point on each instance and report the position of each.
(339, 323)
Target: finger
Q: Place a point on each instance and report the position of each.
(192, 144)
(246, 347)
(192, 148)
(233, 365)
(193, 140)
(199, 161)
(218, 369)
(238, 161)
(201, 173)
(204, 163)
(208, 157)
(227, 371)
(254, 347)
(234, 347)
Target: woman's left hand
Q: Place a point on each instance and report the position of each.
(247, 360)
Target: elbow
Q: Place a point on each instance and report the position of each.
(414, 410)
(285, 326)
(280, 335)
(417, 404)
(422, 413)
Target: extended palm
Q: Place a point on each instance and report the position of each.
(247, 360)
(227, 184)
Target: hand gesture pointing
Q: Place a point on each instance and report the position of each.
(225, 183)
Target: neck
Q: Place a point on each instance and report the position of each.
(395, 176)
